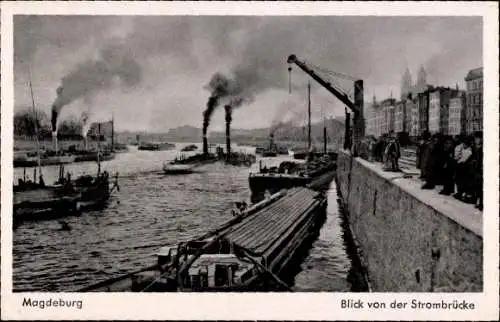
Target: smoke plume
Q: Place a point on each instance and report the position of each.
(96, 75)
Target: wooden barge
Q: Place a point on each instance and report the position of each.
(289, 175)
(248, 253)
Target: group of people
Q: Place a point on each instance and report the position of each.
(386, 149)
(456, 163)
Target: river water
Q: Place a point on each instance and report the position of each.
(149, 211)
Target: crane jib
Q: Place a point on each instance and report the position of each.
(341, 96)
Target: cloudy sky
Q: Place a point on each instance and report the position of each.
(152, 72)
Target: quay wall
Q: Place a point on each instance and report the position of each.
(407, 240)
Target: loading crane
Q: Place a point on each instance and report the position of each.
(355, 106)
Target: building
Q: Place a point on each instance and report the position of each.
(370, 119)
(423, 111)
(399, 119)
(374, 118)
(387, 111)
(439, 103)
(456, 116)
(434, 109)
(410, 102)
(414, 118)
(474, 100)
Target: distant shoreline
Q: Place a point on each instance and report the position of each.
(30, 145)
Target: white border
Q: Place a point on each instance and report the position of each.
(270, 306)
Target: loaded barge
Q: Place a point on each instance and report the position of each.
(290, 174)
(248, 253)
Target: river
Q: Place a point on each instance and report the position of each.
(149, 211)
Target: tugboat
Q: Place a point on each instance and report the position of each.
(272, 150)
(254, 251)
(189, 148)
(156, 146)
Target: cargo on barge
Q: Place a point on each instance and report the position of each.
(289, 175)
(249, 252)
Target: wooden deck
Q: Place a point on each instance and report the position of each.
(259, 232)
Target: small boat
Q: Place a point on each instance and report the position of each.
(251, 252)
(269, 153)
(120, 148)
(150, 146)
(169, 168)
(32, 161)
(189, 148)
(91, 156)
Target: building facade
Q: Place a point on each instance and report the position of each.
(423, 111)
(456, 116)
(474, 100)
(399, 119)
(414, 118)
(434, 111)
(439, 104)
(407, 114)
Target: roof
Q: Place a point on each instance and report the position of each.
(474, 74)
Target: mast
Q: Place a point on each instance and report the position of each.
(36, 125)
(98, 148)
(308, 116)
(324, 132)
(113, 131)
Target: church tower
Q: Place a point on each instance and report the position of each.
(422, 79)
(406, 84)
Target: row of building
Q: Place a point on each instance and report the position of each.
(422, 107)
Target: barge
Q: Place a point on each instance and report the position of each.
(155, 146)
(38, 201)
(30, 160)
(290, 174)
(169, 168)
(251, 252)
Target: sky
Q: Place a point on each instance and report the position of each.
(151, 73)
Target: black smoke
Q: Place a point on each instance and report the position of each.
(95, 75)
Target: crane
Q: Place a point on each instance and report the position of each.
(355, 106)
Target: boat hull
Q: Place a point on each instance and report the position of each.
(92, 157)
(173, 169)
(33, 161)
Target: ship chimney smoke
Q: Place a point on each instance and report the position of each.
(229, 110)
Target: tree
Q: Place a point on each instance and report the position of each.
(24, 123)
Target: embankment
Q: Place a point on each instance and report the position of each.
(410, 240)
